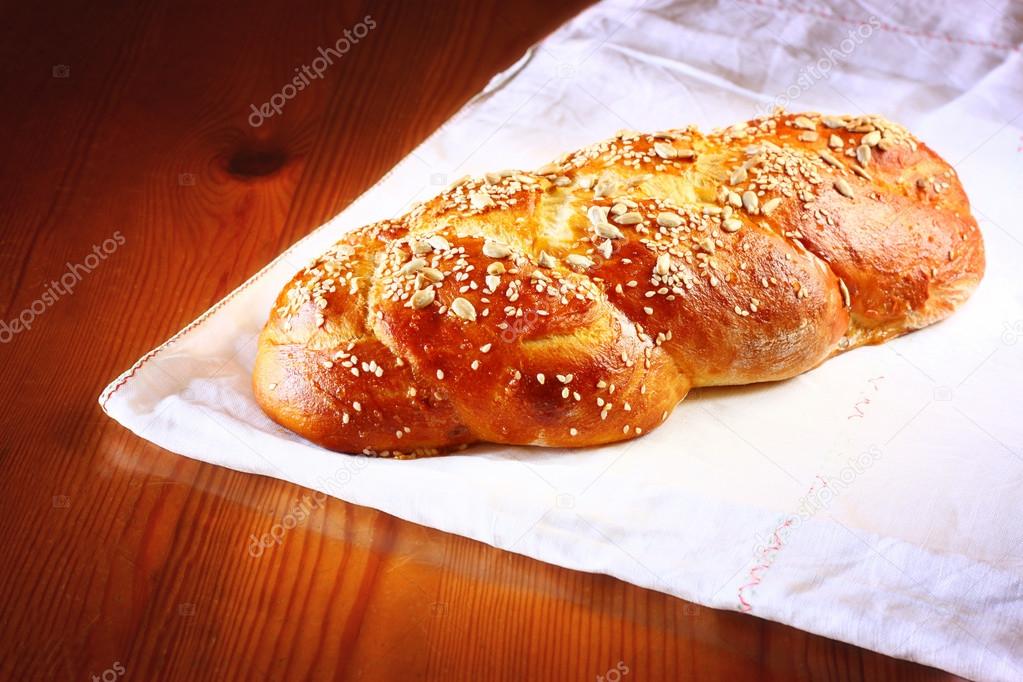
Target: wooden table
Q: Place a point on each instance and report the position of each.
(120, 559)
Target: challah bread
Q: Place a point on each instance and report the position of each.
(578, 304)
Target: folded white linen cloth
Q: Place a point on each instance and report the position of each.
(877, 499)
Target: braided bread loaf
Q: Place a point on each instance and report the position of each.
(578, 304)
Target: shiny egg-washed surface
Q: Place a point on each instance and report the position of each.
(577, 304)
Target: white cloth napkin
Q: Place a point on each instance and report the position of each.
(877, 499)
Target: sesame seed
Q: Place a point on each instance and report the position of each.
(440, 375)
(540, 378)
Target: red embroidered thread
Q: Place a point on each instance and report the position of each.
(768, 555)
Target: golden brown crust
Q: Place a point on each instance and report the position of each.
(578, 304)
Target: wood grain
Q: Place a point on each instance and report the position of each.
(123, 560)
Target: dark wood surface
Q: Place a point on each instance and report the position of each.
(121, 560)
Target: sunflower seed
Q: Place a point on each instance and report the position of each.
(493, 281)
(750, 201)
(464, 309)
(731, 225)
(770, 205)
(843, 188)
(630, 218)
(707, 244)
(495, 250)
(608, 231)
(412, 267)
(809, 136)
(862, 172)
(423, 298)
(619, 209)
(605, 248)
(872, 138)
(546, 260)
(496, 268)
(668, 219)
(480, 200)
(734, 199)
(420, 247)
(863, 155)
(663, 266)
(432, 274)
(830, 159)
(438, 242)
(685, 153)
(845, 293)
(597, 214)
(737, 176)
(605, 186)
(833, 122)
(835, 142)
(664, 150)
(804, 123)
(579, 260)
